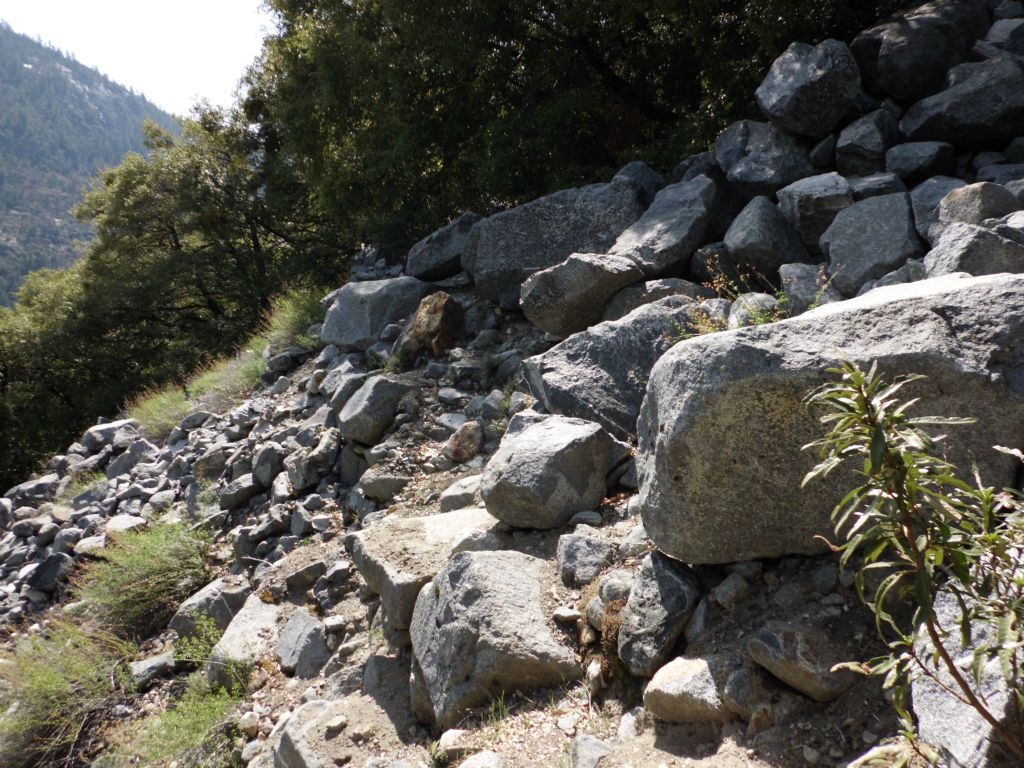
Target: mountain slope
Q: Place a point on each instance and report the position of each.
(61, 122)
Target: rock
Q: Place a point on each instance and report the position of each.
(399, 555)
(268, 463)
(731, 591)
(434, 328)
(588, 751)
(145, 672)
(33, 492)
(465, 443)
(809, 89)
(974, 203)
(635, 296)
(370, 412)
(925, 200)
(1002, 173)
(747, 689)
(647, 181)
(361, 310)
(687, 691)
(480, 629)
(875, 185)
(664, 594)
(761, 239)
(51, 572)
(671, 229)
(800, 659)
(551, 470)
(869, 239)
(218, 601)
(239, 492)
(124, 523)
(508, 247)
(759, 158)
(382, 485)
(917, 161)
(460, 494)
(910, 272)
(249, 637)
(582, 556)
(754, 309)
(812, 204)
(806, 286)
(96, 438)
(862, 145)
(977, 251)
(599, 374)
(984, 107)
(440, 254)
(302, 647)
(571, 296)
(742, 407)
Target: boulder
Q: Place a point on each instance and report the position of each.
(239, 492)
(361, 310)
(801, 659)
(98, 437)
(925, 200)
(862, 145)
(761, 239)
(439, 255)
(688, 691)
(869, 239)
(806, 286)
(984, 108)
(370, 412)
(975, 203)
(33, 492)
(460, 494)
(268, 463)
(812, 204)
(481, 629)
(910, 272)
(919, 160)
(663, 596)
(734, 399)
(760, 158)
(633, 296)
(599, 374)
(218, 602)
(1002, 173)
(551, 470)
(671, 229)
(249, 637)
(510, 246)
(977, 251)
(51, 572)
(399, 555)
(302, 647)
(571, 296)
(647, 181)
(434, 328)
(582, 555)
(809, 89)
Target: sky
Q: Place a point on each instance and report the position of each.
(171, 52)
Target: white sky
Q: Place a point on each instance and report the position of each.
(172, 52)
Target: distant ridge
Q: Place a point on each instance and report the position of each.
(60, 123)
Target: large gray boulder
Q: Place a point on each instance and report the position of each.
(861, 147)
(671, 229)
(760, 158)
(809, 89)
(761, 239)
(439, 255)
(599, 374)
(481, 628)
(984, 108)
(542, 476)
(361, 310)
(571, 296)
(33, 492)
(977, 251)
(637, 295)
(869, 239)
(975, 203)
(508, 247)
(369, 413)
(734, 401)
(812, 204)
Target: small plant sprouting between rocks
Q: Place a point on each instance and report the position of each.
(926, 532)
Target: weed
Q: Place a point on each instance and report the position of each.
(195, 649)
(54, 685)
(438, 759)
(291, 314)
(143, 576)
(498, 710)
(81, 483)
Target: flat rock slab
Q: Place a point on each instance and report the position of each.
(481, 629)
(398, 556)
(723, 423)
(250, 636)
(361, 310)
(799, 658)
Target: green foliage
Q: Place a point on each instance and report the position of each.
(54, 685)
(925, 531)
(291, 314)
(82, 482)
(196, 648)
(143, 576)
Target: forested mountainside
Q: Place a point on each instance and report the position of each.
(60, 123)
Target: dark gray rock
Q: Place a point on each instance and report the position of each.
(361, 310)
(637, 295)
(761, 239)
(302, 647)
(370, 412)
(571, 296)
(919, 160)
(239, 492)
(588, 752)
(861, 148)
(439, 255)
(664, 594)
(542, 476)
(51, 572)
(823, 154)
(671, 229)
(759, 158)
(925, 199)
(869, 239)
(481, 629)
(734, 399)
(33, 492)
(910, 272)
(800, 658)
(984, 108)
(806, 286)
(599, 374)
(1002, 173)
(875, 185)
(809, 89)
(268, 463)
(977, 251)
(647, 181)
(582, 555)
(508, 247)
(812, 204)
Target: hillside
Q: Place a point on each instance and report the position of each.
(61, 123)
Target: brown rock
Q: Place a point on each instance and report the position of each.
(438, 322)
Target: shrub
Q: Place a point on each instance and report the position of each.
(291, 314)
(143, 577)
(196, 649)
(54, 686)
(926, 532)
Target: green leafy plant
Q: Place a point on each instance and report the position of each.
(925, 532)
(195, 649)
(143, 576)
